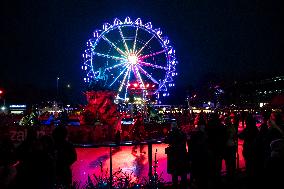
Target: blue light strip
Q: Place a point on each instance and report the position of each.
(147, 74)
(134, 44)
(139, 76)
(152, 65)
(123, 39)
(115, 66)
(123, 81)
(109, 56)
(114, 46)
(138, 53)
(118, 76)
(125, 95)
(152, 54)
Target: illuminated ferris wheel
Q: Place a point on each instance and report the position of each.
(129, 53)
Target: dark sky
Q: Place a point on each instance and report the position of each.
(231, 40)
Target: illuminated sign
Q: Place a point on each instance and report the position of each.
(17, 106)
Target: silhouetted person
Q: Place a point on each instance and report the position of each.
(47, 177)
(261, 151)
(7, 159)
(177, 155)
(216, 132)
(230, 148)
(198, 156)
(249, 135)
(63, 118)
(37, 164)
(235, 119)
(275, 156)
(29, 155)
(66, 156)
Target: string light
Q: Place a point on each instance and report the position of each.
(130, 58)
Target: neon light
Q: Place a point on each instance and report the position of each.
(132, 59)
(134, 44)
(152, 65)
(147, 74)
(138, 53)
(124, 43)
(131, 56)
(128, 84)
(152, 54)
(123, 81)
(108, 56)
(114, 46)
(17, 106)
(118, 76)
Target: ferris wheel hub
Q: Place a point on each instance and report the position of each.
(132, 59)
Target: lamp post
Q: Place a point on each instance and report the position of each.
(68, 90)
(3, 106)
(57, 80)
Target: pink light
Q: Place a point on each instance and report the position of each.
(153, 85)
(135, 84)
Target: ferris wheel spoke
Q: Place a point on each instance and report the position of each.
(147, 74)
(127, 83)
(115, 66)
(144, 45)
(137, 74)
(109, 56)
(114, 46)
(152, 54)
(134, 44)
(123, 39)
(118, 76)
(124, 78)
(153, 65)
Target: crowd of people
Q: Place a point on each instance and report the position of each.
(45, 161)
(214, 139)
(39, 162)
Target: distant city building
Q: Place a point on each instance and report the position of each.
(262, 91)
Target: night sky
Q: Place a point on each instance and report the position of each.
(227, 40)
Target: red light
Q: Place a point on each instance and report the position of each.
(1, 91)
(135, 84)
(147, 85)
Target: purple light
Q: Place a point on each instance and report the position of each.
(124, 59)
